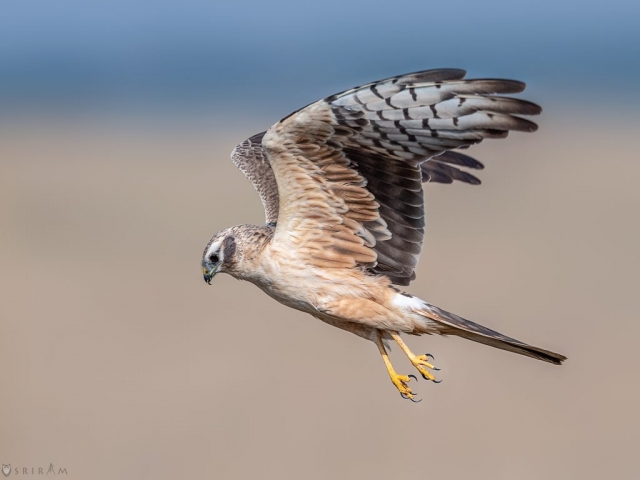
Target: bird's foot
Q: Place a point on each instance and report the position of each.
(400, 382)
(422, 363)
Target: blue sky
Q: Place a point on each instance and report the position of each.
(251, 52)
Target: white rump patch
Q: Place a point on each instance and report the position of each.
(410, 303)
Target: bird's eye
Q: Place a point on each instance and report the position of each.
(214, 258)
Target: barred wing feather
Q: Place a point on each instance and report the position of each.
(352, 165)
(251, 160)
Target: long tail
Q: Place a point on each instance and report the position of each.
(451, 324)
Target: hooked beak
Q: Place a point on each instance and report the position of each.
(209, 271)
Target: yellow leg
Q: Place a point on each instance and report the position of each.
(421, 362)
(400, 381)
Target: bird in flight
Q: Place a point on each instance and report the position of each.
(341, 185)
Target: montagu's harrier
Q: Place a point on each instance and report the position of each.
(341, 183)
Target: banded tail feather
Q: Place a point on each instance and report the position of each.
(451, 324)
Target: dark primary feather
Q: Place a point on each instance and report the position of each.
(457, 158)
(398, 133)
(435, 170)
(401, 131)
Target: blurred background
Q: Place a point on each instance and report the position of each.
(117, 361)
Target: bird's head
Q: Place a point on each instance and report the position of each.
(219, 255)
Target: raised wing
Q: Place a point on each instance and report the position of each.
(251, 160)
(349, 168)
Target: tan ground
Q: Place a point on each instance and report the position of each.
(118, 361)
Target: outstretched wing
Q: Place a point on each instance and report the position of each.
(349, 168)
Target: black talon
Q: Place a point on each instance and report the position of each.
(413, 376)
(436, 381)
(436, 369)
(429, 355)
(409, 398)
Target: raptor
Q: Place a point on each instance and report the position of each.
(341, 184)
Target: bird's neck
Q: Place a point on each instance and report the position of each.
(252, 257)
